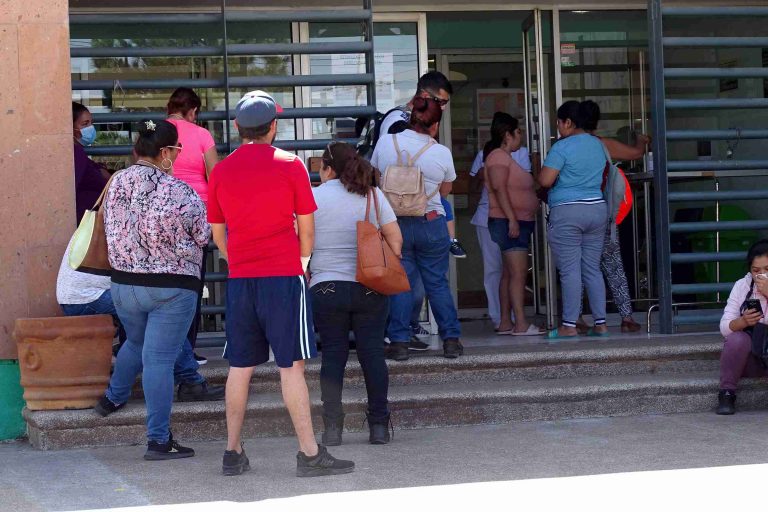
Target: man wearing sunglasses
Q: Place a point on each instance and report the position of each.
(433, 85)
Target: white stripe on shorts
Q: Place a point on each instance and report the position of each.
(303, 338)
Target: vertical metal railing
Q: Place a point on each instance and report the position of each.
(712, 170)
(660, 183)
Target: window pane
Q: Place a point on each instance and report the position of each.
(396, 67)
(122, 68)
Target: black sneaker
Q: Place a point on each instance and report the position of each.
(417, 345)
(235, 463)
(457, 251)
(105, 407)
(726, 402)
(199, 392)
(322, 464)
(167, 451)
(397, 351)
(200, 359)
(452, 348)
(419, 332)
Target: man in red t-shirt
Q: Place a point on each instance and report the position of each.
(254, 197)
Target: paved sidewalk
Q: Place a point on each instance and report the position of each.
(505, 454)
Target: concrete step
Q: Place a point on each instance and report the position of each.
(413, 406)
(481, 364)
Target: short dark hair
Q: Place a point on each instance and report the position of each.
(569, 110)
(78, 109)
(154, 136)
(589, 115)
(759, 248)
(183, 100)
(255, 132)
(434, 81)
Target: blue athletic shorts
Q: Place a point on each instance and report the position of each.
(264, 312)
(448, 209)
(499, 231)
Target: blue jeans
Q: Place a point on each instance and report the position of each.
(417, 292)
(156, 321)
(425, 255)
(186, 366)
(101, 306)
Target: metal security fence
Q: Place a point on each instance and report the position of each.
(220, 69)
(723, 174)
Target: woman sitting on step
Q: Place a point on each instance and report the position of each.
(740, 317)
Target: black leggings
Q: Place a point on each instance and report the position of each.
(340, 307)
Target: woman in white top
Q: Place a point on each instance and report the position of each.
(425, 238)
(743, 312)
(340, 304)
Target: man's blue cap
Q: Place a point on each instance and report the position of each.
(256, 108)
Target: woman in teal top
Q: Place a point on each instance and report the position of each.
(577, 219)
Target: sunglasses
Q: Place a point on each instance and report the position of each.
(179, 147)
(440, 101)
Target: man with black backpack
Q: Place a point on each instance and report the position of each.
(433, 85)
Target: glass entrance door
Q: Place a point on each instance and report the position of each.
(483, 83)
(539, 72)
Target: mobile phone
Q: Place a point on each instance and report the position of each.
(753, 304)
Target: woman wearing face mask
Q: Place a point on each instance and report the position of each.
(511, 219)
(90, 177)
(193, 166)
(156, 230)
(745, 309)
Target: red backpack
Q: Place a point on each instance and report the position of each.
(625, 206)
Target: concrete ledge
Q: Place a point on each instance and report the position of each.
(564, 360)
(416, 406)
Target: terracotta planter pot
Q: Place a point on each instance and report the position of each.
(64, 361)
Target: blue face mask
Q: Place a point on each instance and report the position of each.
(88, 135)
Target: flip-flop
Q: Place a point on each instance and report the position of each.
(592, 333)
(504, 333)
(552, 335)
(532, 331)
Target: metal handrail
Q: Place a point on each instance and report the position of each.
(716, 103)
(716, 73)
(235, 81)
(335, 15)
(218, 51)
(715, 11)
(715, 42)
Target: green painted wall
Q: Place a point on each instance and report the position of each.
(11, 402)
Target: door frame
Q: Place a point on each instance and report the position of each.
(542, 121)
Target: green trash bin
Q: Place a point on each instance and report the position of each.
(12, 424)
(730, 241)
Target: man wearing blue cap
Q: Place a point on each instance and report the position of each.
(255, 195)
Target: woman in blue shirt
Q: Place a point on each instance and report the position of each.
(578, 215)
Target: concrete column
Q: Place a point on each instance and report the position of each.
(37, 197)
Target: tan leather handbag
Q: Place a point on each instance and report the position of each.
(403, 184)
(377, 266)
(88, 252)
